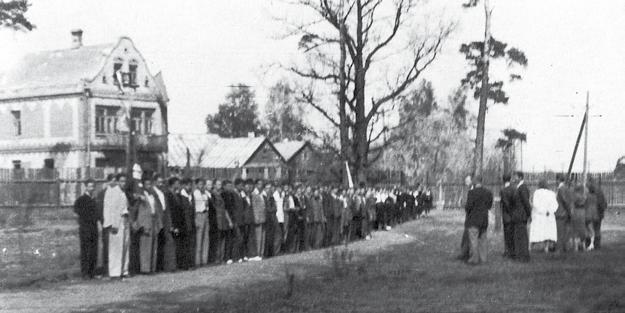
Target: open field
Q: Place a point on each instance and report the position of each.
(409, 269)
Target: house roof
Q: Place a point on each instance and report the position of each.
(289, 149)
(211, 151)
(56, 71)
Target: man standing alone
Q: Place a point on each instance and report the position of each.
(85, 207)
(479, 201)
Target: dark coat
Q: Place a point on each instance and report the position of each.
(565, 204)
(86, 209)
(248, 211)
(509, 202)
(602, 204)
(221, 214)
(176, 211)
(524, 197)
(188, 211)
(479, 201)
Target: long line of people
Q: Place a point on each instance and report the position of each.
(152, 225)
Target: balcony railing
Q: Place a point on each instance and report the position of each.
(142, 142)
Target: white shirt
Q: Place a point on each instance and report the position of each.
(201, 198)
(520, 183)
(279, 199)
(161, 197)
(184, 193)
(151, 201)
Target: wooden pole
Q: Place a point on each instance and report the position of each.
(585, 174)
(579, 137)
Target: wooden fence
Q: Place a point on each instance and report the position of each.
(452, 194)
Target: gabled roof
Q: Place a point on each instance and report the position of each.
(289, 149)
(57, 71)
(211, 151)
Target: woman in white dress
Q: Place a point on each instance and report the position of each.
(543, 225)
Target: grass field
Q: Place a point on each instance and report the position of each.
(409, 269)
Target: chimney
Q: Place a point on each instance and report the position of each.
(251, 135)
(76, 38)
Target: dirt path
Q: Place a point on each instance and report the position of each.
(82, 296)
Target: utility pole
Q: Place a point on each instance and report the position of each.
(585, 174)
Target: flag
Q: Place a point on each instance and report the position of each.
(350, 182)
(118, 77)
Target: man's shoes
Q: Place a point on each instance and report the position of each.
(256, 258)
(229, 262)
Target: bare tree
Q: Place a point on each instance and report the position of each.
(345, 47)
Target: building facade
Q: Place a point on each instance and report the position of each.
(303, 163)
(74, 108)
(214, 157)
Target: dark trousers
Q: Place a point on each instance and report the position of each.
(464, 245)
(183, 245)
(294, 234)
(356, 228)
(521, 241)
(562, 227)
(105, 252)
(327, 239)
(508, 239)
(271, 228)
(134, 265)
(234, 244)
(247, 241)
(279, 239)
(88, 250)
(597, 228)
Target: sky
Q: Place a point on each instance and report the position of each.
(202, 47)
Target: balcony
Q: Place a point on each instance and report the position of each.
(153, 143)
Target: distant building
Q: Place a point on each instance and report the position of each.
(65, 108)
(301, 160)
(245, 157)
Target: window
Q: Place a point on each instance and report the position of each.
(147, 82)
(17, 164)
(17, 122)
(104, 79)
(48, 163)
(106, 120)
(142, 121)
(132, 75)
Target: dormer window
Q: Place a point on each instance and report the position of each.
(132, 75)
(147, 82)
(104, 79)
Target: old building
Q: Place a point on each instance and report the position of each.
(301, 160)
(69, 108)
(226, 158)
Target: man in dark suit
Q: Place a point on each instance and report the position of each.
(509, 201)
(520, 216)
(563, 214)
(464, 244)
(479, 201)
(88, 217)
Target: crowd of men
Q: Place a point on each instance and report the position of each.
(152, 225)
(568, 219)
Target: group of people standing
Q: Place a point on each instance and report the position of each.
(568, 219)
(151, 225)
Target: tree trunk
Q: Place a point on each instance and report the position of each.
(481, 116)
(343, 129)
(360, 124)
